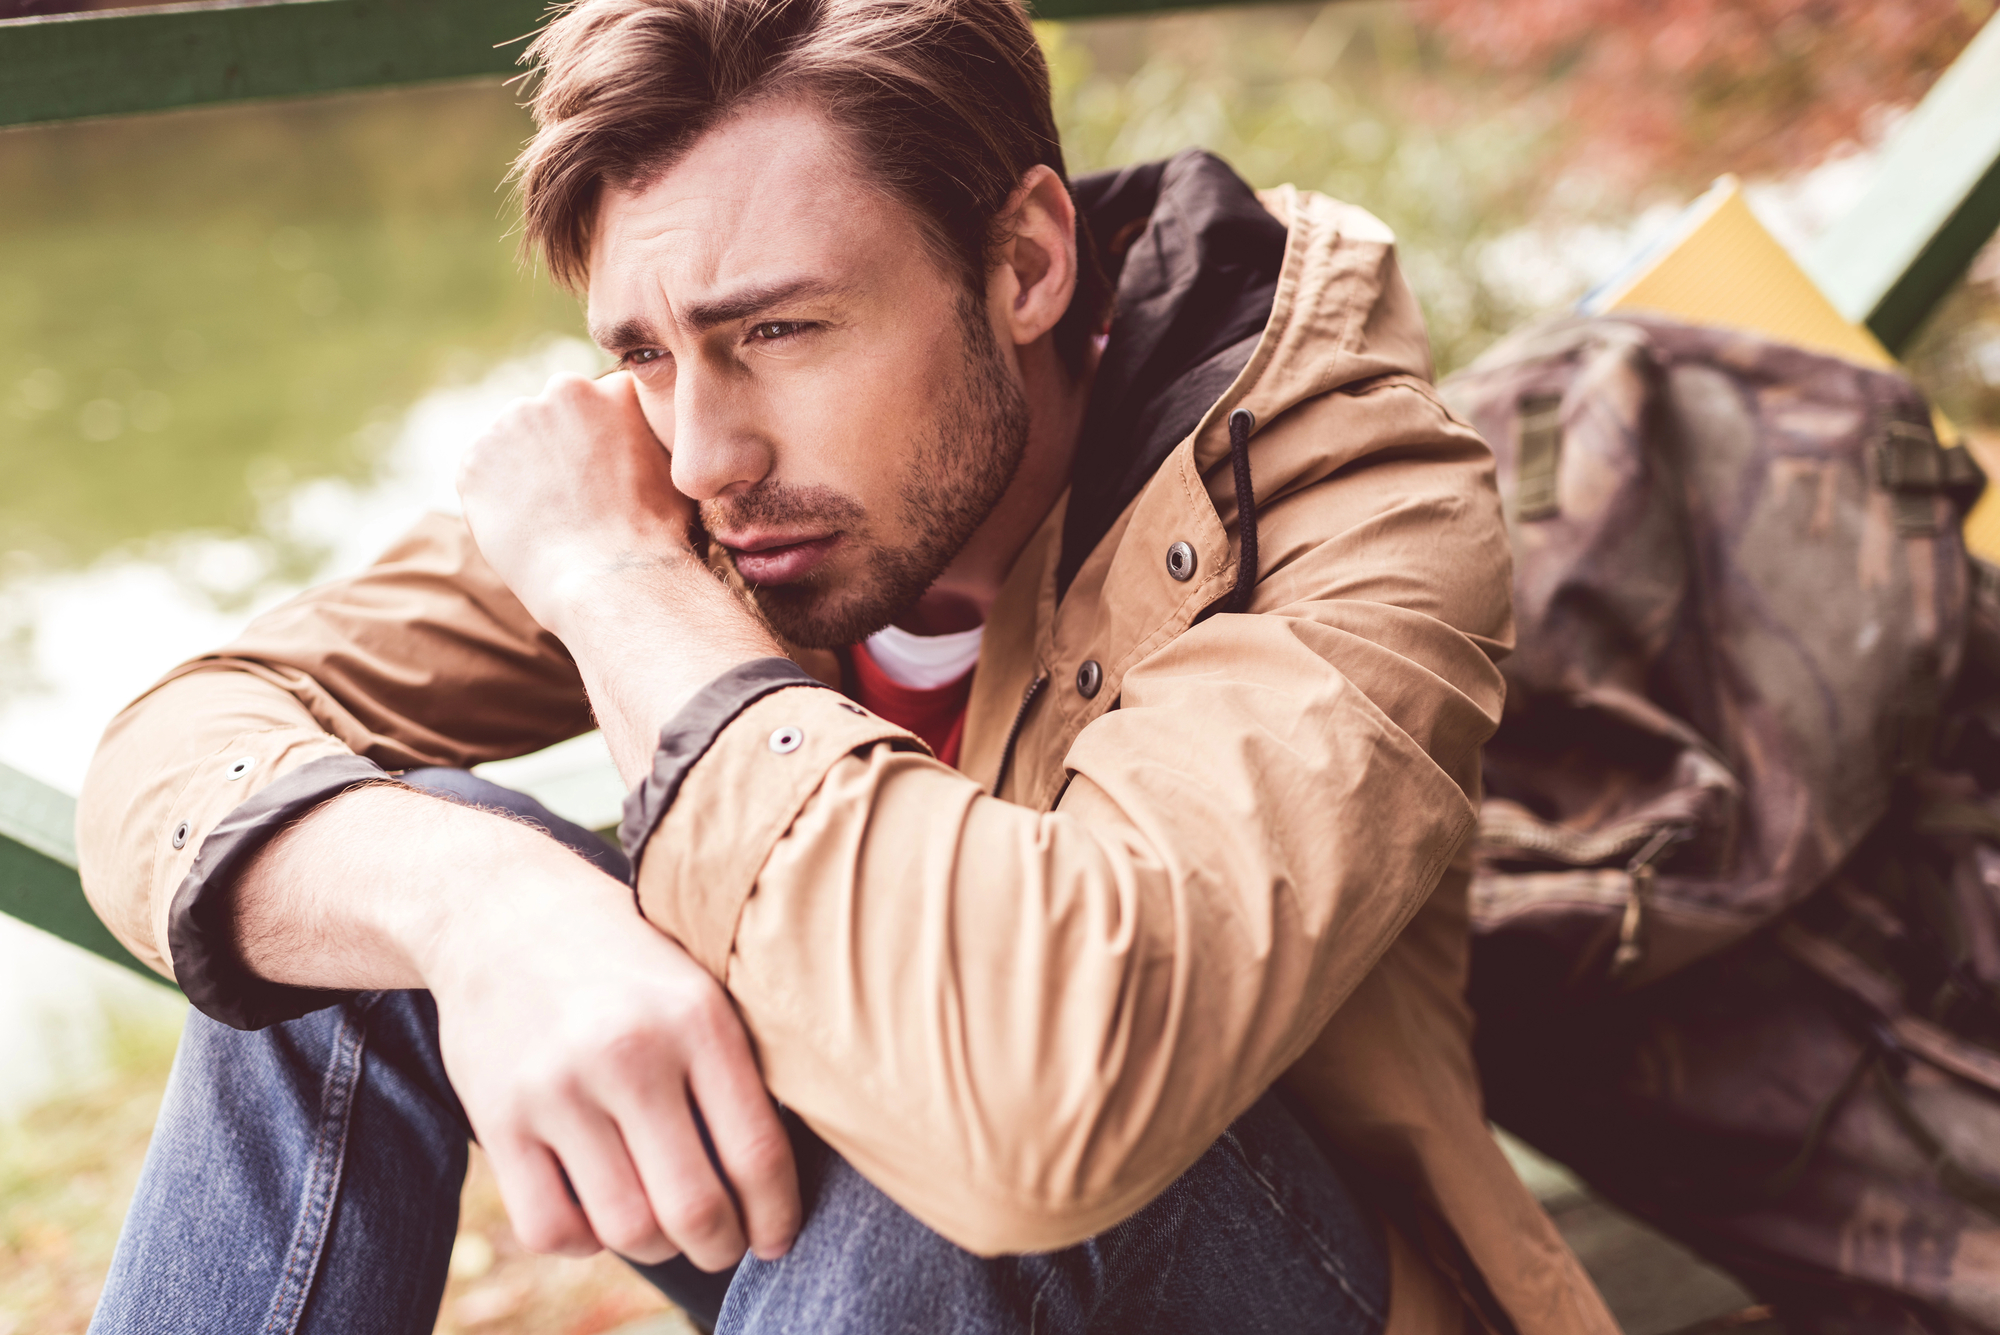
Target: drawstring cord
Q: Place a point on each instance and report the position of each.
(1241, 423)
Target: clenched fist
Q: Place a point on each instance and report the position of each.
(570, 486)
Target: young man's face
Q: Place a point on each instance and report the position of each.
(840, 406)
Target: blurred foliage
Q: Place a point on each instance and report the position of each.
(1488, 136)
(1664, 97)
(1330, 98)
(1675, 94)
(198, 309)
(1956, 356)
(66, 1173)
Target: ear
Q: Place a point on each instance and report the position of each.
(1035, 271)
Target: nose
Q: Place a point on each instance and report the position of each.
(718, 448)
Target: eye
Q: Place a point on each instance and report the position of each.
(642, 357)
(770, 331)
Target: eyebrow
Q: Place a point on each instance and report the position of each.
(705, 315)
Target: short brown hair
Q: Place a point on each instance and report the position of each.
(947, 101)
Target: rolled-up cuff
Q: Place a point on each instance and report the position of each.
(688, 736)
(206, 965)
(702, 863)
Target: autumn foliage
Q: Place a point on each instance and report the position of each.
(1675, 91)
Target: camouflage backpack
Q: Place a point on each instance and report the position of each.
(1737, 900)
(1741, 596)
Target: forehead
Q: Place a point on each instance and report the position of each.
(772, 194)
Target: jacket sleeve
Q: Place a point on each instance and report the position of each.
(1023, 1024)
(425, 658)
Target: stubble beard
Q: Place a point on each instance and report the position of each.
(951, 484)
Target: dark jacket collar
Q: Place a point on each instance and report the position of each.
(1194, 259)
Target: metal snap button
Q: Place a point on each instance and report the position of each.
(1089, 678)
(1180, 561)
(787, 740)
(181, 835)
(241, 766)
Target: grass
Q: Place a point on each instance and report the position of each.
(67, 1169)
(66, 1173)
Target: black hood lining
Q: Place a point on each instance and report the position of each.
(1194, 259)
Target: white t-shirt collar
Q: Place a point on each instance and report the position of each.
(924, 662)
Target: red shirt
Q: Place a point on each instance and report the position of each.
(936, 714)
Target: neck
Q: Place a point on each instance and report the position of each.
(963, 595)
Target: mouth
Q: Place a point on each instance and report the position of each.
(778, 558)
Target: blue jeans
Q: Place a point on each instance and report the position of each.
(305, 1178)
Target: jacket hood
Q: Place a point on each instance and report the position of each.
(1223, 292)
(1194, 259)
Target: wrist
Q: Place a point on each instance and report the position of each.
(592, 591)
(499, 890)
(646, 638)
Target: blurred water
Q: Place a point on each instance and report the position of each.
(239, 350)
(102, 634)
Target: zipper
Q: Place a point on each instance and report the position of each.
(1642, 870)
(1014, 733)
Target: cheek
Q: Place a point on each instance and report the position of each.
(867, 425)
(839, 431)
(872, 466)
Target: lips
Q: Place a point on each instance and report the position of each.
(779, 558)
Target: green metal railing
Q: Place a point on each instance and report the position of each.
(38, 880)
(1935, 202)
(118, 62)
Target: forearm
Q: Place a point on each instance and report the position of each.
(381, 886)
(577, 1037)
(1072, 1004)
(648, 631)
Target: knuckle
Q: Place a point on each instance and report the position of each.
(764, 1155)
(706, 1017)
(630, 1044)
(630, 1232)
(542, 1084)
(702, 1217)
(549, 1234)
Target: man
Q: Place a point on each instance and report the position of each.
(1116, 986)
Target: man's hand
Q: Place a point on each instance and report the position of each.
(571, 498)
(578, 1038)
(569, 486)
(585, 1055)
(575, 1034)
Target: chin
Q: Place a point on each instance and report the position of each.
(869, 587)
(819, 618)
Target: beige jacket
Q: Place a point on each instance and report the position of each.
(1023, 1013)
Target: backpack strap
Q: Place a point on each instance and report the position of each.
(1539, 459)
(1914, 469)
